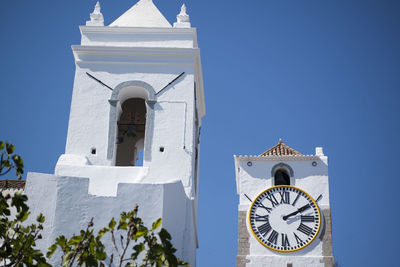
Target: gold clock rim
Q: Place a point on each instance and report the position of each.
(292, 250)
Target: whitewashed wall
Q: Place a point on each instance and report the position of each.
(68, 207)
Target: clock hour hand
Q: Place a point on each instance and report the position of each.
(305, 207)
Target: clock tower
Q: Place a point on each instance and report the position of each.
(284, 210)
(134, 129)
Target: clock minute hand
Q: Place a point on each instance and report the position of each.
(305, 207)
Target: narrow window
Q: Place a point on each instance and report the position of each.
(131, 132)
(281, 177)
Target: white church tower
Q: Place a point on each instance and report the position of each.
(284, 209)
(134, 126)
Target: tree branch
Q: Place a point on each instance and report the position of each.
(80, 243)
(21, 248)
(126, 245)
(113, 241)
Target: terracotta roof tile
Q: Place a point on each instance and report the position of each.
(281, 150)
(12, 184)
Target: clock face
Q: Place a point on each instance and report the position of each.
(284, 218)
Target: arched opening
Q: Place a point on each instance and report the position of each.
(131, 133)
(121, 93)
(281, 177)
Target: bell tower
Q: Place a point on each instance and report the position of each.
(134, 128)
(284, 209)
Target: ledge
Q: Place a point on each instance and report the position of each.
(116, 29)
(277, 158)
(157, 36)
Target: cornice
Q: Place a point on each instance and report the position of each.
(277, 158)
(135, 29)
(134, 55)
(89, 30)
(138, 50)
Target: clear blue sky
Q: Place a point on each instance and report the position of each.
(314, 73)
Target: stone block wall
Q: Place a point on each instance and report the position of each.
(243, 240)
(327, 240)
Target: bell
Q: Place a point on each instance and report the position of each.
(131, 132)
(120, 140)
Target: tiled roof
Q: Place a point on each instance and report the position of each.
(12, 184)
(281, 150)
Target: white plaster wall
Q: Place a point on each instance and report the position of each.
(104, 180)
(173, 124)
(41, 190)
(178, 215)
(68, 207)
(90, 109)
(173, 130)
(89, 115)
(252, 180)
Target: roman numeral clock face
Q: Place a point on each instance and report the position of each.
(284, 218)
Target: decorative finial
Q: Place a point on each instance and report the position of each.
(96, 18)
(182, 19)
(280, 141)
(97, 8)
(319, 151)
(183, 16)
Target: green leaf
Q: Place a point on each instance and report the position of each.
(138, 249)
(61, 240)
(123, 225)
(6, 163)
(22, 216)
(67, 258)
(183, 263)
(103, 231)
(9, 148)
(141, 231)
(1, 145)
(51, 251)
(112, 224)
(19, 202)
(75, 240)
(40, 218)
(164, 235)
(101, 255)
(91, 261)
(17, 160)
(156, 224)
